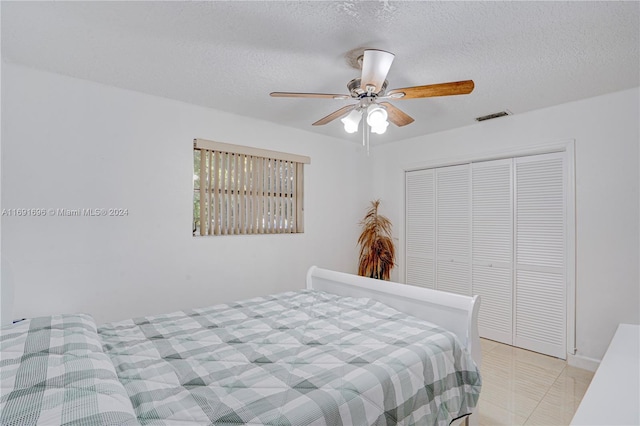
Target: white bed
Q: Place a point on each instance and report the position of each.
(347, 350)
(456, 313)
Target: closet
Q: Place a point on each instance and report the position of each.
(497, 229)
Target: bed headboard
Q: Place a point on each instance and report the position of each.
(456, 313)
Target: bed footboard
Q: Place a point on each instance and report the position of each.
(456, 313)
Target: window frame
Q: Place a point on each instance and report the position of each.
(258, 191)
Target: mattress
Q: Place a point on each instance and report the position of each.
(295, 358)
(53, 372)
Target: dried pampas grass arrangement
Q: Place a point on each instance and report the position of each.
(377, 253)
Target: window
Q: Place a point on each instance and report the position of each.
(243, 190)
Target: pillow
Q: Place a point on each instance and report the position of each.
(53, 372)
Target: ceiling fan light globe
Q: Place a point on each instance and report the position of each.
(350, 127)
(351, 121)
(380, 128)
(376, 116)
(354, 116)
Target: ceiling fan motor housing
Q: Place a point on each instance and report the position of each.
(356, 90)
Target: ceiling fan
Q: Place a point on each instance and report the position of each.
(370, 91)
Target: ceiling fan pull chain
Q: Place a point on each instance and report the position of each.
(367, 133)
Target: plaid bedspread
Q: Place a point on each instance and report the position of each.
(53, 372)
(297, 358)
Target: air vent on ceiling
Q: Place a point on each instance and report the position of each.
(495, 115)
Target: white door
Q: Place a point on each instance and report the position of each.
(420, 228)
(540, 278)
(453, 203)
(492, 247)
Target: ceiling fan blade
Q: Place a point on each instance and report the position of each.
(308, 95)
(336, 114)
(431, 90)
(375, 67)
(396, 115)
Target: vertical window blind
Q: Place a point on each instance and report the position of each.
(244, 190)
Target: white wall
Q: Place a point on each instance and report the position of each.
(69, 143)
(606, 134)
(6, 291)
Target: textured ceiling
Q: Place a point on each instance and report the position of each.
(231, 55)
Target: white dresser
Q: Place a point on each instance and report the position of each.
(613, 397)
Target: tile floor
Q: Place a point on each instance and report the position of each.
(526, 388)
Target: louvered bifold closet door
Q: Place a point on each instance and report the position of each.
(420, 228)
(540, 288)
(453, 229)
(492, 247)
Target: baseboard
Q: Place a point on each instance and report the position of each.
(583, 362)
